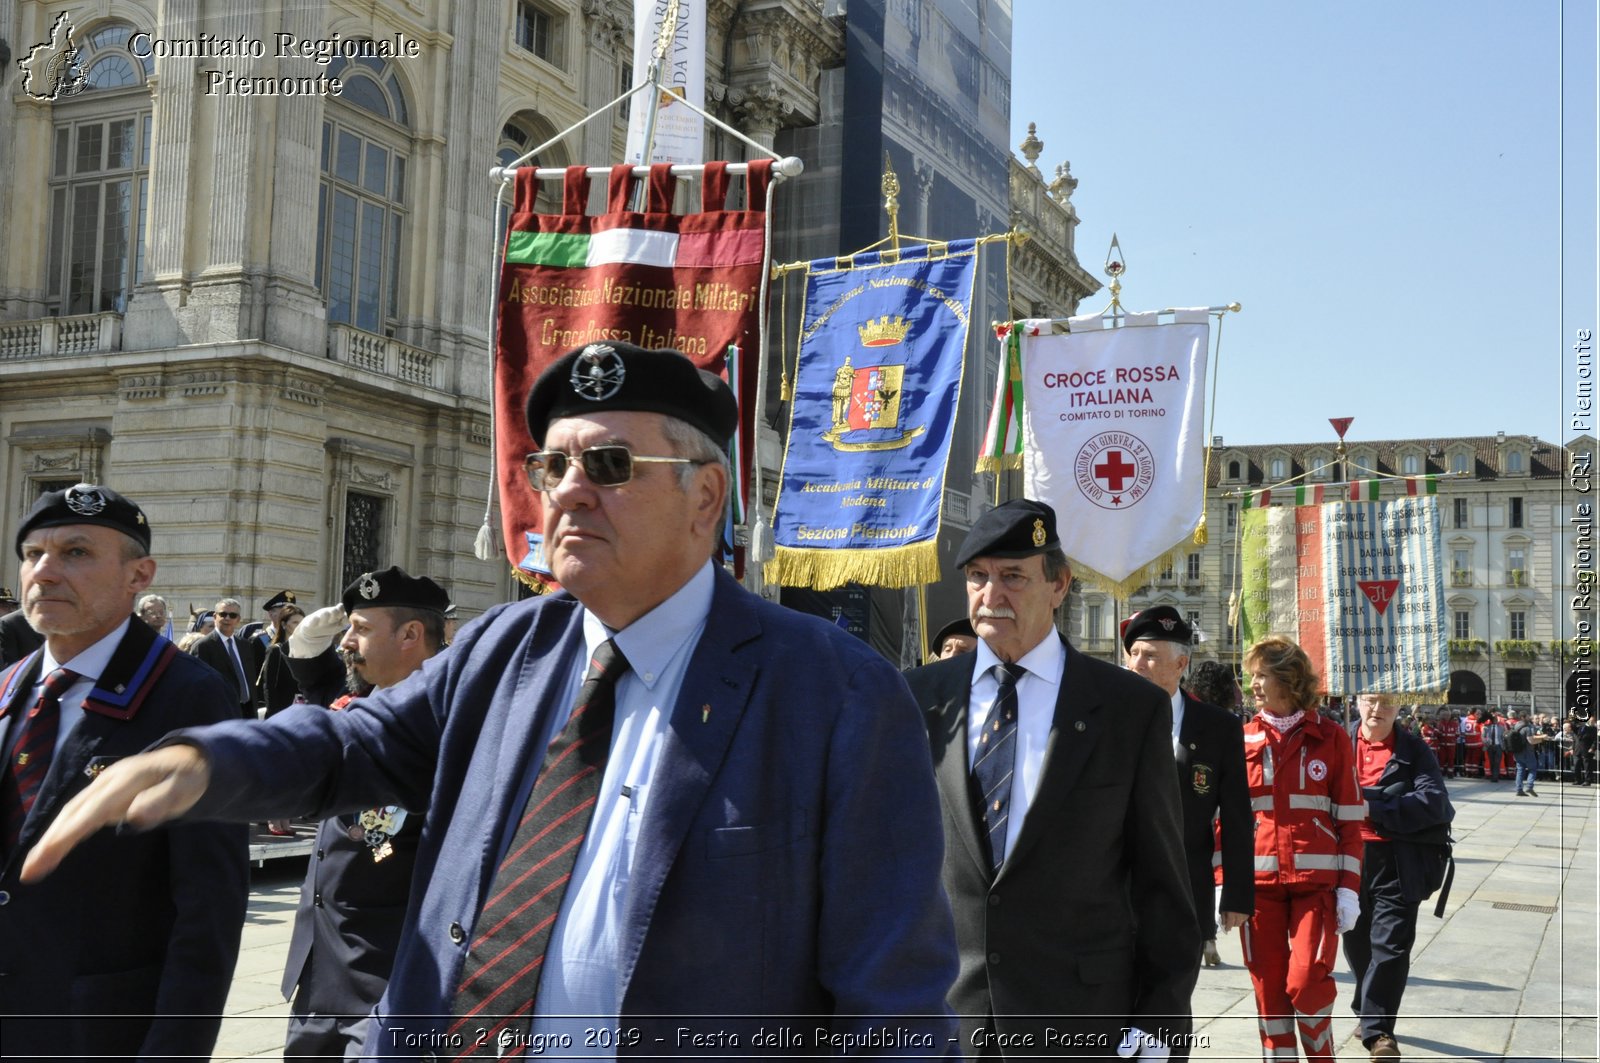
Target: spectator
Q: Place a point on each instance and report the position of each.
(1522, 741)
(955, 638)
(153, 611)
(1215, 684)
(236, 659)
(276, 682)
(1493, 734)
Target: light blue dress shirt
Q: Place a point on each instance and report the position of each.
(581, 989)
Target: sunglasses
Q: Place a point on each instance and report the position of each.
(226, 616)
(607, 466)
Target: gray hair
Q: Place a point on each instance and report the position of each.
(687, 441)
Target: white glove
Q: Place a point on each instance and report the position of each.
(1135, 1042)
(317, 632)
(1348, 904)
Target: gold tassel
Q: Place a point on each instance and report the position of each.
(784, 394)
(894, 566)
(1200, 535)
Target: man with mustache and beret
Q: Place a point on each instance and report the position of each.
(1063, 855)
(665, 816)
(128, 951)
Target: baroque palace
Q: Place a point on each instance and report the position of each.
(262, 309)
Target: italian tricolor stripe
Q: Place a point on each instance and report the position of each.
(1425, 485)
(640, 247)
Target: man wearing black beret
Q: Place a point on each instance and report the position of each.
(1062, 853)
(659, 806)
(1208, 745)
(129, 950)
(353, 901)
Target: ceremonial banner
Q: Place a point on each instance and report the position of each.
(882, 343)
(1359, 585)
(680, 133)
(1113, 438)
(657, 279)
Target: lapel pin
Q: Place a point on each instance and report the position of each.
(1080, 726)
(120, 688)
(705, 713)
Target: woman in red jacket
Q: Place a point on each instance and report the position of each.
(1308, 815)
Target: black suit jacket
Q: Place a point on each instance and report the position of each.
(17, 638)
(1211, 780)
(211, 650)
(132, 932)
(1088, 927)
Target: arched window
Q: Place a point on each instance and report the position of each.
(1411, 464)
(1460, 462)
(526, 131)
(1513, 461)
(361, 204)
(99, 183)
(1278, 469)
(1233, 470)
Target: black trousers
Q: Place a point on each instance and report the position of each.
(1378, 947)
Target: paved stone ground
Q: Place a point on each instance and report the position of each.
(1486, 983)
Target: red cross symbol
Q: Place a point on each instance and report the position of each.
(1114, 471)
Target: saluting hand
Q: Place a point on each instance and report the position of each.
(139, 792)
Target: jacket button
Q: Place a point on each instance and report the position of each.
(994, 900)
(5, 898)
(457, 934)
(994, 958)
(320, 854)
(316, 899)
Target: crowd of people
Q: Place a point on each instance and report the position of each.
(658, 801)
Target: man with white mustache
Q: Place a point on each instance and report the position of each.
(1063, 854)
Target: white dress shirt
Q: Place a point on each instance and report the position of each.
(580, 988)
(89, 665)
(1036, 710)
(1177, 719)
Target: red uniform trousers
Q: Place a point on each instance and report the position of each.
(1290, 946)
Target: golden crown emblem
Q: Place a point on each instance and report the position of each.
(884, 332)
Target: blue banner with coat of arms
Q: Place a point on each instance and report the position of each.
(882, 344)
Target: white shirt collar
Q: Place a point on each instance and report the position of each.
(92, 662)
(650, 642)
(1045, 661)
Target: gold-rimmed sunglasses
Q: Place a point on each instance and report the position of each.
(606, 466)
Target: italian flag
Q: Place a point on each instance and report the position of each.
(1002, 437)
(1423, 485)
(1308, 496)
(1257, 499)
(639, 247)
(1363, 490)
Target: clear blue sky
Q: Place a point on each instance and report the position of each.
(1378, 183)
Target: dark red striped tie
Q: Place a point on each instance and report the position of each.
(500, 979)
(31, 752)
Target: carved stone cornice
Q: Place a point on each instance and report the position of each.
(609, 24)
(777, 51)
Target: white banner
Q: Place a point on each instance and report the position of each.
(680, 133)
(1113, 436)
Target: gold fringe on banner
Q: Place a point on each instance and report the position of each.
(823, 569)
(1000, 463)
(529, 580)
(1124, 589)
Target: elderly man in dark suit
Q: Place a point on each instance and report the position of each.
(128, 952)
(1063, 852)
(729, 845)
(1208, 745)
(236, 659)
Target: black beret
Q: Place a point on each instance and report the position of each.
(1159, 623)
(1018, 528)
(86, 504)
(394, 588)
(281, 598)
(621, 376)
(959, 626)
(6, 597)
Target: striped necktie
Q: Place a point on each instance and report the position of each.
(992, 769)
(500, 978)
(30, 756)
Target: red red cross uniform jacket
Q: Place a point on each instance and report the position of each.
(1307, 805)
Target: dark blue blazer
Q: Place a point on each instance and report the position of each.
(1410, 801)
(132, 932)
(788, 862)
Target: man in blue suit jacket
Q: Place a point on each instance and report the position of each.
(760, 875)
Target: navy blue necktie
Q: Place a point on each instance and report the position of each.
(996, 755)
(34, 746)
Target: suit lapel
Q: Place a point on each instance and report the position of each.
(951, 770)
(1073, 734)
(553, 648)
(712, 700)
(1188, 734)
